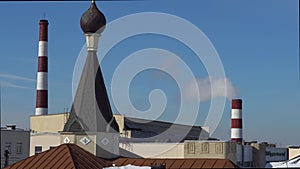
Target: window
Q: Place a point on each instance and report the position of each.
(19, 148)
(8, 146)
(37, 149)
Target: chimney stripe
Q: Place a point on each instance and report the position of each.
(42, 81)
(236, 114)
(43, 48)
(42, 98)
(236, 133)
(236, 123)
(41, 111)
(42, 64)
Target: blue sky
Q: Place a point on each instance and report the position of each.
(257, 41)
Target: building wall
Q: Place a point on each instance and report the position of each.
(259, 155)
(101, 144)
(51, 123)
(14, 138)
(155, 150)
(210, 149)
(274, 154)
(44, 140)
(294, 152)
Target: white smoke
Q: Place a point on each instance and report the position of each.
(210, 88)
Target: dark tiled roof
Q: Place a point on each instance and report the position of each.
(177, 163)
(65, 156)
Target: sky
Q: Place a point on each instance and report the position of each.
(257, 43)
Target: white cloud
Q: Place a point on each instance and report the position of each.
(210, 89)
(14, 77)
(11, 85)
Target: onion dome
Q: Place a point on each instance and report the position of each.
(92, 20)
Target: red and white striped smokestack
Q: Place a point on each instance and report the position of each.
(236, 121)
(42, 75)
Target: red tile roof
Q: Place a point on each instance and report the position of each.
(177, 163)
(65, 156)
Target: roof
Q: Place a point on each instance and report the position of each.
(71, 156)
(177, 163)
(64, 156)
(16, 129)
(292, 163)
(162, 131)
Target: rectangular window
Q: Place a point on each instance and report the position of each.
(37, 149)
(19, 148)
(8, 146)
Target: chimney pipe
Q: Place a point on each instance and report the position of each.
(236, 121)
(42, 75)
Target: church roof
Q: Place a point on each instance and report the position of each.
(91, 109)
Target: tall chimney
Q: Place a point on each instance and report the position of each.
(42, 75)
(236, 121)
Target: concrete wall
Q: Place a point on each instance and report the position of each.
(259, 155)
(155, 150)
(12, 138)
(51, 123)
(45, 140)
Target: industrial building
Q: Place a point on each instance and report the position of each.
(14, 144)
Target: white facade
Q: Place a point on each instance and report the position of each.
(16, 141)
(40, 142)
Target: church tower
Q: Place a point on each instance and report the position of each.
(91, 120)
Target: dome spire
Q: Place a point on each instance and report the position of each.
(93, 20)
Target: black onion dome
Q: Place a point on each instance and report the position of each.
(92, 20)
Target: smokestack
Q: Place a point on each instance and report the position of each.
(236, 121)
(42, 75)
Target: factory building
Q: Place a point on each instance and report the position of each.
(14, 144)
(130, 131)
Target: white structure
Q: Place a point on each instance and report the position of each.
(16, 141)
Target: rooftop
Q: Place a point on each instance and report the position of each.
(72, 156)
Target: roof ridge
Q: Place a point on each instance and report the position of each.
(70, 154)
